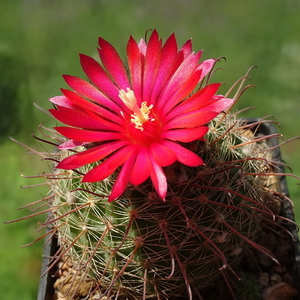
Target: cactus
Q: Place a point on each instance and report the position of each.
(153, 242)
(142, 246)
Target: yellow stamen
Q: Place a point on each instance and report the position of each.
(140, 115)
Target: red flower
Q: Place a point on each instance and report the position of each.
(136, 117)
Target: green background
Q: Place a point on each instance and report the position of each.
(40, 40)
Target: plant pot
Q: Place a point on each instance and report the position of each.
(46, 289)
(289, 271)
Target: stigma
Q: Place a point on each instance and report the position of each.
(140, 114)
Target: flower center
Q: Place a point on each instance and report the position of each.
(140, 115)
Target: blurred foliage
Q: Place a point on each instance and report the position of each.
(41, 39)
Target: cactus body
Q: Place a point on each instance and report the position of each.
(142, 246)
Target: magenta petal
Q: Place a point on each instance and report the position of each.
(167, 63)
(70, 145)
(183, 73)
(77, 118)
(162, 155)
(191, 119)
(185, 89)
(62, 101)
(141, 169)
(186, 135)
(195, 102)
(186, 49)
(90, 156)
(184, 155)
(82, 135)
(152, 61)
(219, 105)
(109, 166)
(88, 106)
(113, 64)
(123, 178)
(135, 67)
(142, 47)
(99, 77)
(158, 178)
(87, 90)
(206, 66)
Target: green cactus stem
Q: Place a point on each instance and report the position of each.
(140, 246)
